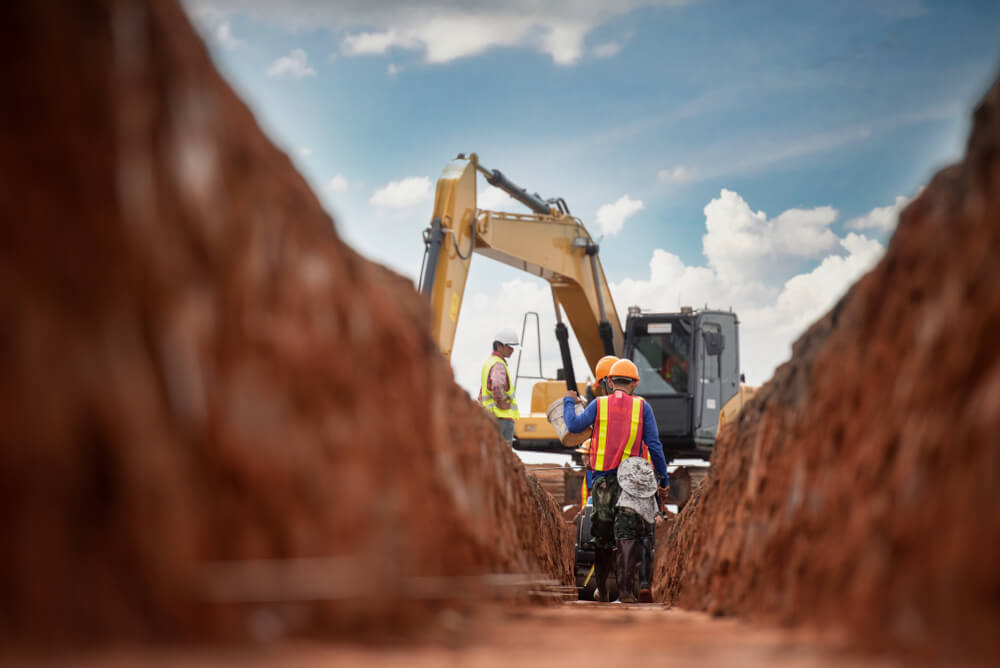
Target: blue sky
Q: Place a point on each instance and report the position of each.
(745, 154)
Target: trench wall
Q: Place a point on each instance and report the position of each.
(859, 488)
(217, 420)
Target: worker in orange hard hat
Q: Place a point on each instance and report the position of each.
(624, 427)
(601, 371)
(600, 389)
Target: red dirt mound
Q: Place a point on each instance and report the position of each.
(860, 487)
(198, 372)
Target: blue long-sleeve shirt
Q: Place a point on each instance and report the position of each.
(650, 433)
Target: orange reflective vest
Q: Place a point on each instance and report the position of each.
(617, 431)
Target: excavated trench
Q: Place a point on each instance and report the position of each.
(219, 422)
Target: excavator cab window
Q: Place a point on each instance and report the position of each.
(662, 353)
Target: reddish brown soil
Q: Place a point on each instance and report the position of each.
(860, 487)
(580, 634)
(197, 370)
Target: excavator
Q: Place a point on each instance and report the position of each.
(688, 361)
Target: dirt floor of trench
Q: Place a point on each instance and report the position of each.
(526, 636)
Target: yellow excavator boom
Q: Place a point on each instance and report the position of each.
(550, 244)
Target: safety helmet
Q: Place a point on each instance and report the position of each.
(507, 337)
(624, 369)
(603, 367)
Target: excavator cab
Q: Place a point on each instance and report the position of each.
(688, 370)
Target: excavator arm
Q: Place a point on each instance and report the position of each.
(549, 243)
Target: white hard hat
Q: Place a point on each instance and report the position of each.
(507, 337)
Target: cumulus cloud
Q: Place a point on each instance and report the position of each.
(675, 175)
(880, 219)
(611, 218)
(403, 194)
(447, 30)
(772, 312)
(746, 246)
(494, 199)
(372, 42)
(774, 306)
(805, 297)
(338, 184)
(224, 36)
(565, 42)
(295, 65)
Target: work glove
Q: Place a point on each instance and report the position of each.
(664, 492)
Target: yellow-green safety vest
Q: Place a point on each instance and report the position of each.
(486, 397)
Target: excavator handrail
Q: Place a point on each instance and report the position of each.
(533, 218)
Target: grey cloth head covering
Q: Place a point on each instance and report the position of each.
(636, 476)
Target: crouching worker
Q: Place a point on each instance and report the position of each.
(624, 427)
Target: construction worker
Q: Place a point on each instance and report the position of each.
(624, 426)
(600, 388)
(601, 375)
(496, 390)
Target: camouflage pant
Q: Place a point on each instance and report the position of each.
(611, 523)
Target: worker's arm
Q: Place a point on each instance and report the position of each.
(651, 436)
(577, 423)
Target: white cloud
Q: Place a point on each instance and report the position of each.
(494, 199)
(607, 49)
(372, 42)
(805, 297)
(565, 42)
(295, 65)
(338, 184)
(224, 35)
(882, 219)
(675, 175)
(745, 246)
(305, 151)
(403, 194)
(447, 30)
(772, 314)
(393, 69)
(774, 306)
(611, 218)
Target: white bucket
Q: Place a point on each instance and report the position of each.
(555, 417)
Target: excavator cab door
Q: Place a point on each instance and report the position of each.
(716, 353)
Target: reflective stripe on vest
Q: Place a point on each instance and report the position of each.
(617, 431)
(486, 397)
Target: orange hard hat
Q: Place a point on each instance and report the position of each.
(604, 366)
(624, 369)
